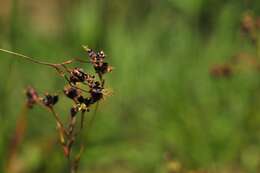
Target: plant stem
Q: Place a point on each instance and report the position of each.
(28, 58)
(59, 123)
(59, 67)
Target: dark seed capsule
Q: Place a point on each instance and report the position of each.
(50, 100)
(71, 92)
(55, 99)
(77, 75)
(103, 68)
(81, 99)
(96, 95)
(91, 53)
(97, 60)
(90, 80)
(87, 102)
(96, 92)
(101, 55)
(73, 80)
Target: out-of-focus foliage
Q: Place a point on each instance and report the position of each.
(166, 112)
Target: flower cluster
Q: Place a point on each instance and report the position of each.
(77, 76)
(33, 98)
(83, 89)
(98, 61)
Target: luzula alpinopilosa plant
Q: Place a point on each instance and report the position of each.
(82, 88)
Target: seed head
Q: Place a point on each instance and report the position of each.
(77, 75)
(90, 79)
(104, 68)
(96, 92)
(97, 60)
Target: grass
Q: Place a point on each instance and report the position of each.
(165, 100)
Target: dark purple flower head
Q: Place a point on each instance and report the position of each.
(71, 92)
(50, 100)
(32, 96)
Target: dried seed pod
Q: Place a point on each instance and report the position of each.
(90, 80)
(104, 68)
(50, 100)
(71, 92)
(32, 97)
(80, 99)
(96, 92)
(91, 53)
(77, 75)
(88, 102)
(101, 54)
(97, 60)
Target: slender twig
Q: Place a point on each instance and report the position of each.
(59, 122)
(77, 158)
(92, 118)
(31, 59)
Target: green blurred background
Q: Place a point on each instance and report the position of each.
(166, 110)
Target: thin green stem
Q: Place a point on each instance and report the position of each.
(90, 123)
(28, 58)
(59, 122)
